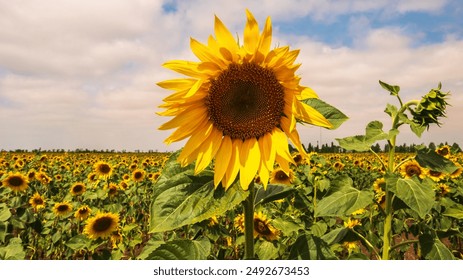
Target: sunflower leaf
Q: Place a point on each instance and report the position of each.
(342, 199)
(180, 198)
(361, 143)
(309, 247)
(428, 158)
(434, 249)
(182, 250)
(333, 115)
(419, 196)
(273, 192)
(393, 89)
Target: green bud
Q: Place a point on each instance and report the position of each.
(431, 108)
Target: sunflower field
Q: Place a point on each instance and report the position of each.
(146, 206)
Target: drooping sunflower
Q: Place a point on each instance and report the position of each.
(436, 176)
(239, 105)
(82, 213)
(102, 225)
(102, 168)
(37, 201)
(279, 176)
(77, 189)
(412, 168)
(263, 227)
(62, 208)
(16, 182)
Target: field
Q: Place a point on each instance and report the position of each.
(146, 206)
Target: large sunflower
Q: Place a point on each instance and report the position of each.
(102, 225)
(239, 105)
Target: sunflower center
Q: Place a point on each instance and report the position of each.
(78, 188)
(261, 227)
(104, 168)
(281, 175)
(102, 224)
(15, 181)
(245, 101)
(413, 170)
(63, 208)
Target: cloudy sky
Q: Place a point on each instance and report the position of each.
(83, 74)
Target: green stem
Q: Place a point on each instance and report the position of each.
(249, 224)
(403, 244)
(367, 242)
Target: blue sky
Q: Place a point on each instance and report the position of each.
(83, 74)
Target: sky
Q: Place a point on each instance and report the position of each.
(82, 74)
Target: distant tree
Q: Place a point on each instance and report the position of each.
(432, 146)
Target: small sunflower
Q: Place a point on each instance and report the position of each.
(16, 182)
(379, 185)
(338, 165)
(239, 106)
(138, 175)
(82, 213)
(279, 176)
(263, 228)
(444, 151)
(115, 238)
(102, 169)
(238, 222)
(62, 208)
(443, 189)
(77, 189)
(102, 225)
(436, 176)
(351, 223)
(37, 202)
(412, 168)
(457, 173)
(112, 190)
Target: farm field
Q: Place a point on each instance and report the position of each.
(146, 206)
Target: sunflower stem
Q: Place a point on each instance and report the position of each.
(249, 224)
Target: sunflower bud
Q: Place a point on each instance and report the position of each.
(431, 107)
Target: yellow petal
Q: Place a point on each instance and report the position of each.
(187, 68)
(222, 160)
(193, 143)
(265, 39)
(185, 131)
(177, 84)
(204, 53)
(309, 115)
(194, 89)
(281, 145)
(224, 37)
(308, 93)
(264, 175)
(249, 161)
(208, 150)
(192, 114)
(251, 33)
(233, 166)
(268, 150)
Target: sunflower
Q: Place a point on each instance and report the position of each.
(444, 151)
(238, 222)
(351, 223)
(62, 208)
(279, 176)
(239, 105)
(102, 168)
(263, 228)
(77, 189)
(443, 189)
(379, 185)
(138, 175)
(102, 225)
(436, 176)
(37, 202)
(82, 213)
(457, 173)
(412, 168)
(16, 182)
(338, 165)
(112, 190)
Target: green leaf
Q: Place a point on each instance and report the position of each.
(335, 236)
(342, 199)
(179, 198)
(454, 212)
(13, 251)
(5, 213)
(333, 115)
(286, 225)
(309, 247)
(391, 110)
(156, 240)
(393, 90)
(182, 250)
(434, 249)
(419, 196)
(273, 192)
(428, 158)
(266, 250)
(361, 143)
(78, 242)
